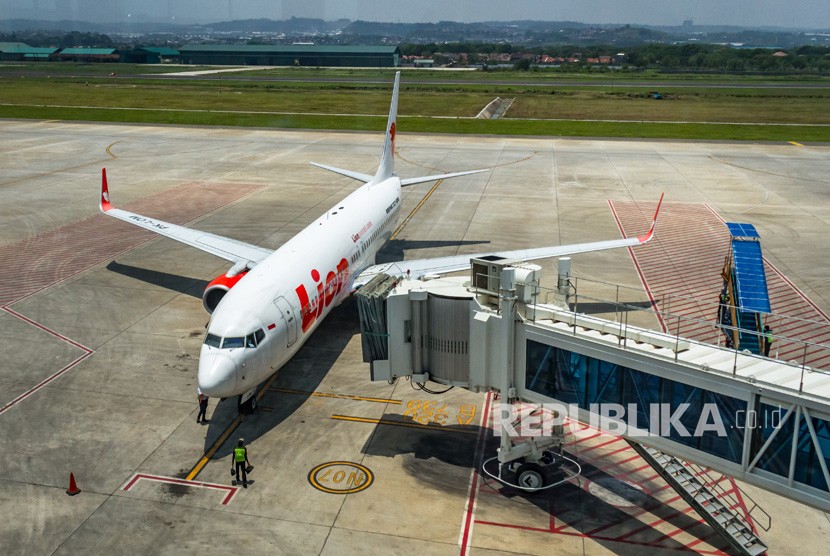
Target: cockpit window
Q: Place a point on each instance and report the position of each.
(213, 340)
(229, 343)
(252, 340)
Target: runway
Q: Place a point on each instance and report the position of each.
(101, 324)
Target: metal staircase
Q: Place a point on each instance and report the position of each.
(703, 497)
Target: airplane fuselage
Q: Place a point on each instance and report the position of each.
(269, 314)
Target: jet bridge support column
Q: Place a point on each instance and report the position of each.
(531, 464)
(507, 308)
(563, 283)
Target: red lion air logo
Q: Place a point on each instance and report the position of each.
(392, 136)
(326, 292)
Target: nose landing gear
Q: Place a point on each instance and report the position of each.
(246, 403)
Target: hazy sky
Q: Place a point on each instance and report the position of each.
(791, 13)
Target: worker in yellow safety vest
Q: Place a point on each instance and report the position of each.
(240, 458)
(768, 339)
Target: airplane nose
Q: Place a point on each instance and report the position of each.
(217, 375)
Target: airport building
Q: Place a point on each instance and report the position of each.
(291, 55)
(18, 51)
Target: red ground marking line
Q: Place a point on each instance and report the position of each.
(570, 425)
(599, 538)
(48, 331)
(87, 249)
(637, 266)
(231, 491)
(638, 469)
(43, 383)
(618, 463)
(595, 446)
(679, 530)
(60, 372)
(814, 362)
(513, 526)
(794, 330)
(631, 516)
(469, 513)
(653, 524)
(586, 438)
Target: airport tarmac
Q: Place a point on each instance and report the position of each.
(101, 324)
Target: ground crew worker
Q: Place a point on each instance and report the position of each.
(203, 403)
(722, 302)
(768, 340)
(240, 458)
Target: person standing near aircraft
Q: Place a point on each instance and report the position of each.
(240, 458)
(203, 403)
(768, 340)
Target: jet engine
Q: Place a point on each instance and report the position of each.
(218, 287)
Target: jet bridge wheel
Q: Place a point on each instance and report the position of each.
(530, 477)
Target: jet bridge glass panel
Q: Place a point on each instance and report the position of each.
(574, 378)
(777, 456)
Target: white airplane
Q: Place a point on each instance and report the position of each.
(269, 302)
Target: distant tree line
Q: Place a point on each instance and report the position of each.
(665, 57)
(57, 40)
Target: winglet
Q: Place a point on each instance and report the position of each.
(647, 236)
(105, 192)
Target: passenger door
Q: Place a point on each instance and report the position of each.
(290, 320)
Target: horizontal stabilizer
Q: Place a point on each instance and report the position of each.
(365, 178)
(422, 179)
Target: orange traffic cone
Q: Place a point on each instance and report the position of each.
(73, 488)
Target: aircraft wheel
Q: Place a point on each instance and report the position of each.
(530, 478)
(247, 407)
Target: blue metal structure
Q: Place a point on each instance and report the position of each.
(747, 283)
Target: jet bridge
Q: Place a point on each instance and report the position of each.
(760, 420)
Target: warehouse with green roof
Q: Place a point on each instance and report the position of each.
(291, 55)
(17, 51)
(88, 55)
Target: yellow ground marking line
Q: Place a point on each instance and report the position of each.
(109, 152)
(796, 143)
(224, 436)
(416, 209)
(338, 396)
(437, 428)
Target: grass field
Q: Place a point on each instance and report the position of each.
(717, 111)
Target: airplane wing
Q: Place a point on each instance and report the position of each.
(418, 268)
(412, 181)
(229, 249)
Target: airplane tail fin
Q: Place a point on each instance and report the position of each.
(386, 169)
(387, 159)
